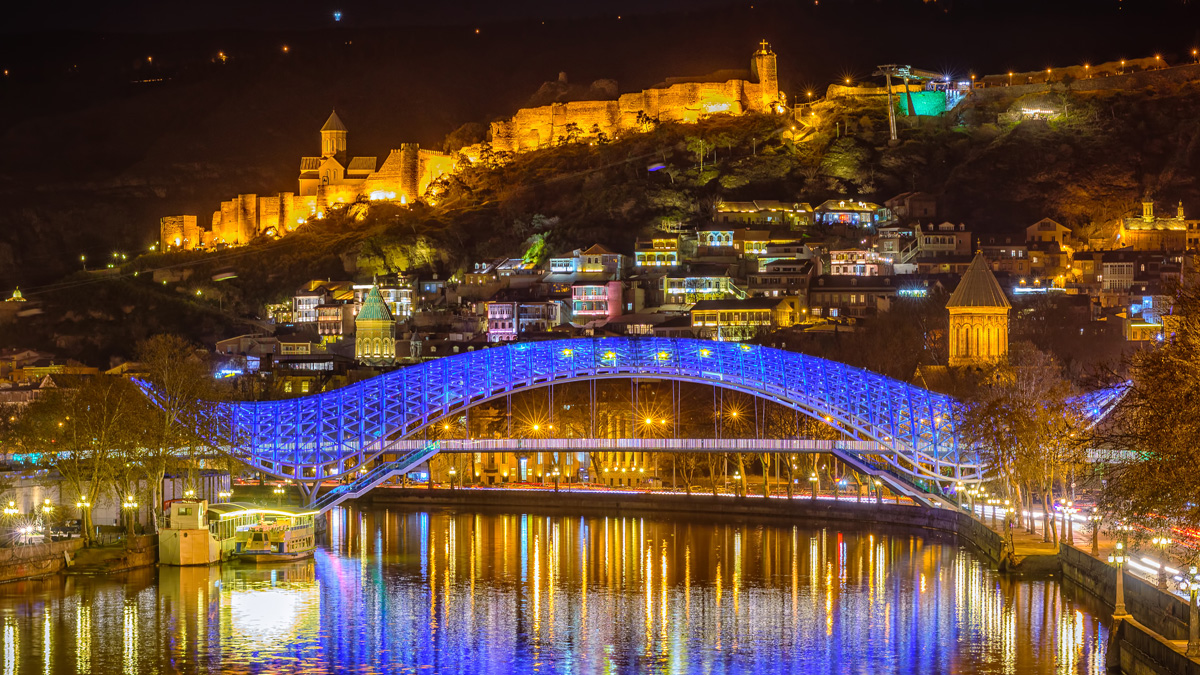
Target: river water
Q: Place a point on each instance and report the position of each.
(464, 592)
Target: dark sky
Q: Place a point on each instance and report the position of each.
(175, 15)
(142, 16)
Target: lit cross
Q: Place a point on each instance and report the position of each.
(764, 45)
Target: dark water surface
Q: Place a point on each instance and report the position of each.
(443, 592)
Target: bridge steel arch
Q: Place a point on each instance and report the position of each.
(336, 433)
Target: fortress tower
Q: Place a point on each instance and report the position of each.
(333, 138)
(764, 69)
(978, 317)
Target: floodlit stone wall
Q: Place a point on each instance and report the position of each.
(532, 128)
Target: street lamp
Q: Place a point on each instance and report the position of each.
(1095, 517)
(224, 495)
(278, 495)
(1191, 584)
(737, 481)
(878, 491)
(1118, 557)
(453, 473)
(129, 507)
(11, 509)
(1162, 543)
(958, 488)
(812, 483)
(189, 493)
(556, 480)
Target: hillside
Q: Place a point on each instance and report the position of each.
(1084, 168)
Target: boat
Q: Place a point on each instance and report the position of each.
(281, 534)
(187, 538)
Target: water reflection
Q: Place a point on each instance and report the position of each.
(471, 593)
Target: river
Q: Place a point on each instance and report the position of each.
(465, 592)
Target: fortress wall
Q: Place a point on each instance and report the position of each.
(269, 215)
(410, 171)
(433, 165)
(247, 218)
(304, 207)
(180, 232)
(387, 178)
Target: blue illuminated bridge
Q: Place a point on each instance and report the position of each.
(904, 435)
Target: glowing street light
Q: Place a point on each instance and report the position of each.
(453, 473)
(1095, 519)
(1162, 543)
(11, 509)
(1118, 557)
(1191, 584)
(813, 483)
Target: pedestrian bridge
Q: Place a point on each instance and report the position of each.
(909, 430)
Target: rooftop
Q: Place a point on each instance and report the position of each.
(334, 123)
(978, 287)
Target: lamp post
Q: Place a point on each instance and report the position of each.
(737, 481)
(11, 509)
(556, 474)
(878, 491)
(1191, 583)
(958, 488)
(129, 508)
(1118, 557)
(812, 484)
(224, 495)
(1162, 543)
(453, 473)
(278, 495)
(1095, 517)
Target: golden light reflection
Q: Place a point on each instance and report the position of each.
(130, 660)
(83, 638)
(47, 643)
(11, 644)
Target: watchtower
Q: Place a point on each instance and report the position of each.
(764, 69)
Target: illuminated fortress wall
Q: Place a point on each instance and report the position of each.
(680, 100)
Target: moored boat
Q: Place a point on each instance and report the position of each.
(280, 535)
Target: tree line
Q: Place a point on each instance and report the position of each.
(106, 438)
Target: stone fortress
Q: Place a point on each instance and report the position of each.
(325, 181)
(406, 174)
(676, 100)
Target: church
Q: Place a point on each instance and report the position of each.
(332, 178)
(978, 317)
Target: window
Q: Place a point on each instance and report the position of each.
(304, 387)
